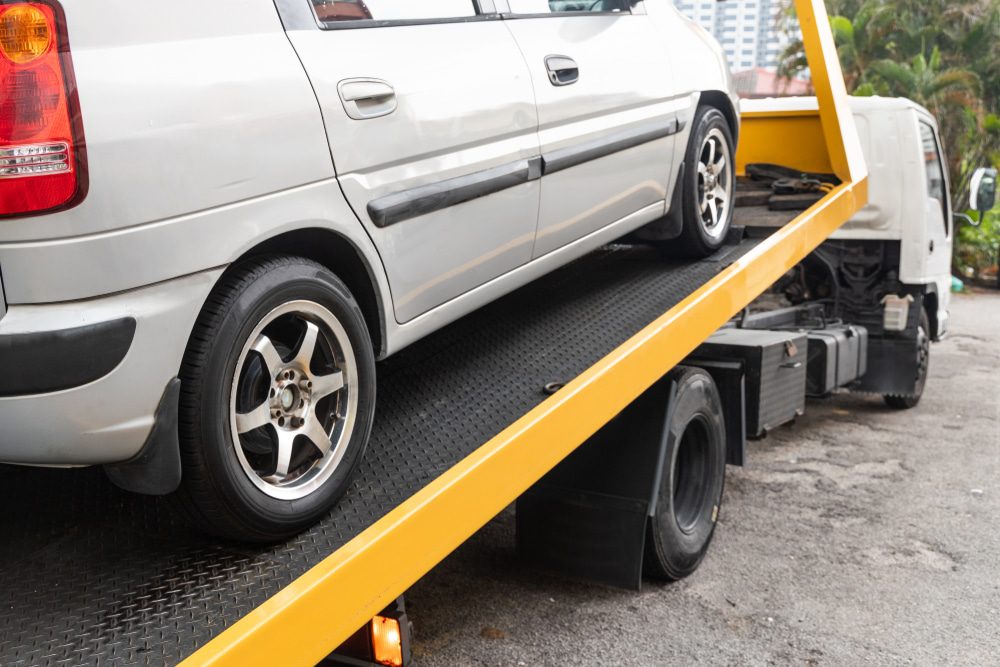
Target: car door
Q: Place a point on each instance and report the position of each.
(607, 112)
(431, 120)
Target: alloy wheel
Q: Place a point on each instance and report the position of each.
(294, 400)
(715, 183)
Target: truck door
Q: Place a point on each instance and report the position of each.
(938, 225)
(431, 120)
(607, 113)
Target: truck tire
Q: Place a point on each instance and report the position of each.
(277, 400)
(921, 367)
(691, 485)
(708, 183)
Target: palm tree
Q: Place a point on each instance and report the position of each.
(860, 33)
(926, 82)
(952, 94)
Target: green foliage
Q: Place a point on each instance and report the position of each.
(943, 55)
(977, 248)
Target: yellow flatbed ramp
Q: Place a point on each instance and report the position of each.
(94, 576)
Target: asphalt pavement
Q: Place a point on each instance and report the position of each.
(856, 536)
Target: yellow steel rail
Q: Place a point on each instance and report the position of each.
(310, 617)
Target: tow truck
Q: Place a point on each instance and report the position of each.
(601, 366)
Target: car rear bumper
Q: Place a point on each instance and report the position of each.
(82, 380)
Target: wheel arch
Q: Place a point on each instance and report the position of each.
(721, 101)
(343, 258)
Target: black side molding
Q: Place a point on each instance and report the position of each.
(3, 298)
(400, 206)
(38, 363)
(425, 199)
(564, 158)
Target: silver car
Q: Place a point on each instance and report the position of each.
(217, 216)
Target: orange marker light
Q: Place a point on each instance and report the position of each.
(387, 641)
(25, 33)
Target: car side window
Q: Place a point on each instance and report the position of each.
(535, 7)
(934, 166)
(335, 11)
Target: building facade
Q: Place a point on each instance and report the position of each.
(749, 30)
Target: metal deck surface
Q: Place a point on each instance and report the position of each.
(94, 576)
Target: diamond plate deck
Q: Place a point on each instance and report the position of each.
(94, 576)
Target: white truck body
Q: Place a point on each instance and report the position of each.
(907, 181)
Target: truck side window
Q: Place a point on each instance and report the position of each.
(535, 7)
(333, 11)
(936, 186)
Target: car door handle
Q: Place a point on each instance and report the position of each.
(562, 70)
(367, 98)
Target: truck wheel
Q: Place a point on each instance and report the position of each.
(691, 485)
(709, 187)
(921, 367)
(277, 400)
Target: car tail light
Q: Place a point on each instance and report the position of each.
(42, 152)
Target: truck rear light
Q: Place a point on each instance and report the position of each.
(387, 641)
(42, 152)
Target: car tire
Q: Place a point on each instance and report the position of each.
(277, 400)
(691, 484)
(708, 184)
(921, 367)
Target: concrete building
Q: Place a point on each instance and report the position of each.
(747, 29)
(762, 82)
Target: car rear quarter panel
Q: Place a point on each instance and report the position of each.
(187, 107)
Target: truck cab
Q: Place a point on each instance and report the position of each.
(909, 197)
(909, 212)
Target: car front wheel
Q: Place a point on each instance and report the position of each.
(709, 186)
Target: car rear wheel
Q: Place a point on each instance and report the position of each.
(278, 395)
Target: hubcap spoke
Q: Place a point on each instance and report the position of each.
(711, 152)
(714, 212)
(286, 443)
(314, 430)
(265, 348)
(305, 354)
(324, 385)
(256, 418)
(721, 196)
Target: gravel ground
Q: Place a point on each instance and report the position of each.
(856, 536)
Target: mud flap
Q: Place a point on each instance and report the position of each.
(587, 517)
(156, 471)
